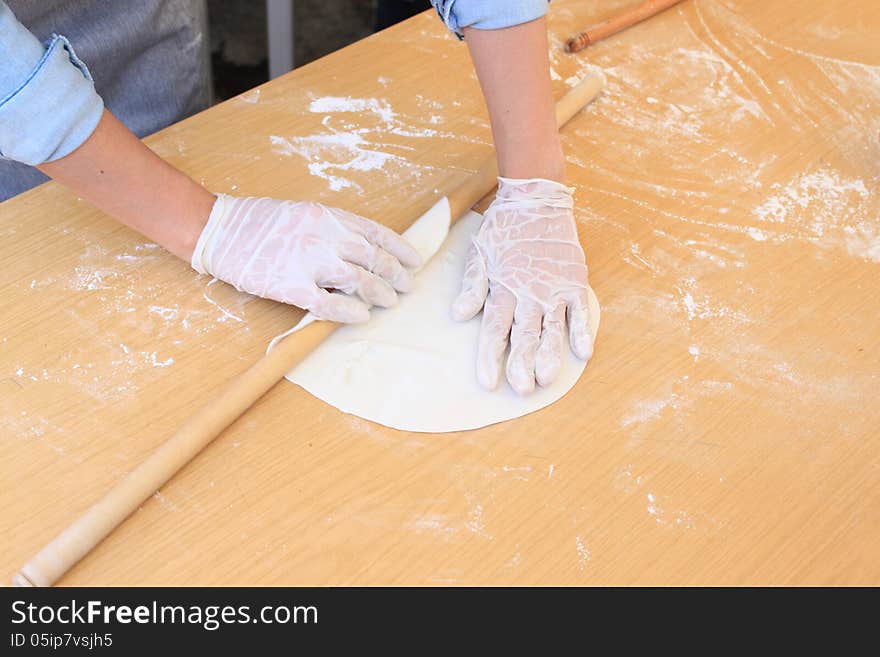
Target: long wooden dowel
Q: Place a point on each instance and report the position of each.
(626, 18)
(78, 539)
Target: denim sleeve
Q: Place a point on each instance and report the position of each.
(48, 102)
(488, 14)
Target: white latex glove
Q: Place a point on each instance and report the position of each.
(294, 252)
(526, 270)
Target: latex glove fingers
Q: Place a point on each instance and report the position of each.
(474, 286)
(525, 336)
(494, 335)
(336, 307)
(527, 248)
(537, 346)
(355, 280)
(300, 252)
(377, 261)
(580, 334)
(381, 236)
(548, 360)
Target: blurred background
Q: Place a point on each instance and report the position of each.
(240, 44)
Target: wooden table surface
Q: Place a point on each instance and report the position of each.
(726, 431)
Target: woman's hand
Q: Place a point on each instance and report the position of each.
(526, 270)
(294, 252)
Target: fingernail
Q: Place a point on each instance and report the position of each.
(521, 383)
(518, 376)
(546, 370)
(583, 346)
(378, 292)
(463, 307)
(413, 259)
(403, 282)
(387, 298)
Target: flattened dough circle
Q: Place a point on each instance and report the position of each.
(413, 368)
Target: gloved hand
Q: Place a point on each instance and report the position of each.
(294, 252)
(526, 269)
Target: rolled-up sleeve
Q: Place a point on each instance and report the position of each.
(48, 102)
(488, 14)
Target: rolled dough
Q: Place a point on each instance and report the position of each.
(413, 368)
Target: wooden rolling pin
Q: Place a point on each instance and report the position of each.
(618, 23)
(79, 538)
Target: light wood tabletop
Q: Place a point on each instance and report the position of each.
(726, 431)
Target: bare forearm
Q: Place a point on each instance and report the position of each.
(513, 68)
(115, 172)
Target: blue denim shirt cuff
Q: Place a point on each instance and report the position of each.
(53, 109)
(488, 14)
(19, 51)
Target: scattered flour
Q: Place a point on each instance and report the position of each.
(815, 199)
(166, 503)
(650, 409)
(338, 151)
(703, 307)
(475, 523)
(167, 314)
(863, 240)
(225, 313)
(824, 207)
(354, 139)
(251, 97)
(336, 104)
(681, 519)
(583, 552)
(435, 524)
(86, 278)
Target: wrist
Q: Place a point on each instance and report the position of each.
(534, 190)
(118, 174)
(190, 206)
(532, 158)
